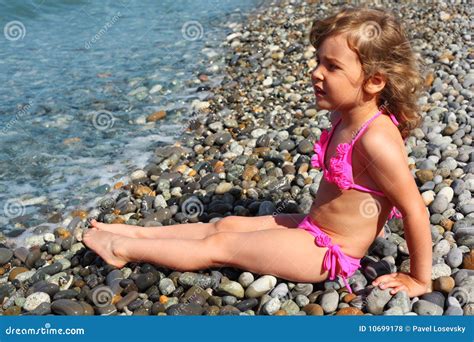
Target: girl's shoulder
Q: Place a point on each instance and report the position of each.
(382, 136)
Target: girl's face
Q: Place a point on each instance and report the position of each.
(338, 77)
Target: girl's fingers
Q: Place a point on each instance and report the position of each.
(384, 278)
(390, 283)
(399, 288)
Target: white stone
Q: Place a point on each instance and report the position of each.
(35, 299)
(447, 192)
(428, 197)
(260, 286)
(268, 81)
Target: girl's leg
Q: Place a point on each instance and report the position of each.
(236, 224)
(287, 253)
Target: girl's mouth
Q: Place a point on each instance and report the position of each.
(319, 92)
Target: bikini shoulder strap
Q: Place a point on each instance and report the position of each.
(365, 125)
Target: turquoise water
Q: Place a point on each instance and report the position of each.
(80, 77)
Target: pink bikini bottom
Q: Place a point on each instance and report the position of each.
(335, 261)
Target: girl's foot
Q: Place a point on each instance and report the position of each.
(104, 244)
(115, 228)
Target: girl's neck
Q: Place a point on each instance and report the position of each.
(357, 116)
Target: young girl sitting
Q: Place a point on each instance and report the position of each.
(368, 78)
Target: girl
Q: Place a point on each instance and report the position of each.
(367, 76)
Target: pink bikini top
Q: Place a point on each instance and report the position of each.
(340, 165)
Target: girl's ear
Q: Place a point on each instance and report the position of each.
(375, 84)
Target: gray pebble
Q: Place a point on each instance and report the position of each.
(426, 308)
(377, 299)
(329, 301)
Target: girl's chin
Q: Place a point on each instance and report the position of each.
(321, 104)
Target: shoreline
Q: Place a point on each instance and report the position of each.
(247, 153)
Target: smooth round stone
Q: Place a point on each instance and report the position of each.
(144, 281)
(376, 269)
(184, 309)
(280, 291)
(232, 288)
(21, 253)
(424, 175)
(425, 308)
(441, 248)
(452, 301)
(35, 299)
(395, 311)
(443, 284)
(440, 270)
(54, 248)
(301, 300)
(349, 311)
(291, 307)
(166, 286)
(429, 185)
(5, 255)
(222, 188)
(313, 310)
(246, 278)
(247, 304)
(45, 286)
(454, 311)
(222, 138)
(113, 280)
(66, 294)
(287, 145)
(195, 279)
(435, 297)
(229, 310)
(439, 204)
(377, 299)
(266, 208)
(67, 307)
(65, 263)
(107, 310)
(272, 306)
(260, 286)
(454, 257)
(41, 310)
(302, 288)
(329, 301)
(383, 247)
(305, 147)
(400, 300)
(211, 178)
(428, 197)
(228, 300)
(15, 272)
(138, 174)
(258, 132)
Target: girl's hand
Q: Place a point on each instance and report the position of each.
(400, 281)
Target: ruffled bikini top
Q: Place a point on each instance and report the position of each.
(340, 165)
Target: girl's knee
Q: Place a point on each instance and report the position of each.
(219, 247)
(222, 224)
(228, 223)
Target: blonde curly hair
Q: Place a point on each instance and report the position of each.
(379, 40)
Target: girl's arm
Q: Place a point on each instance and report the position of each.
(388, 167)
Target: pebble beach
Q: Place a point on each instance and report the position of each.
(245, 150)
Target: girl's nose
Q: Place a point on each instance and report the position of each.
(316, 74)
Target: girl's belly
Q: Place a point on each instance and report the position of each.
(352, 218)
